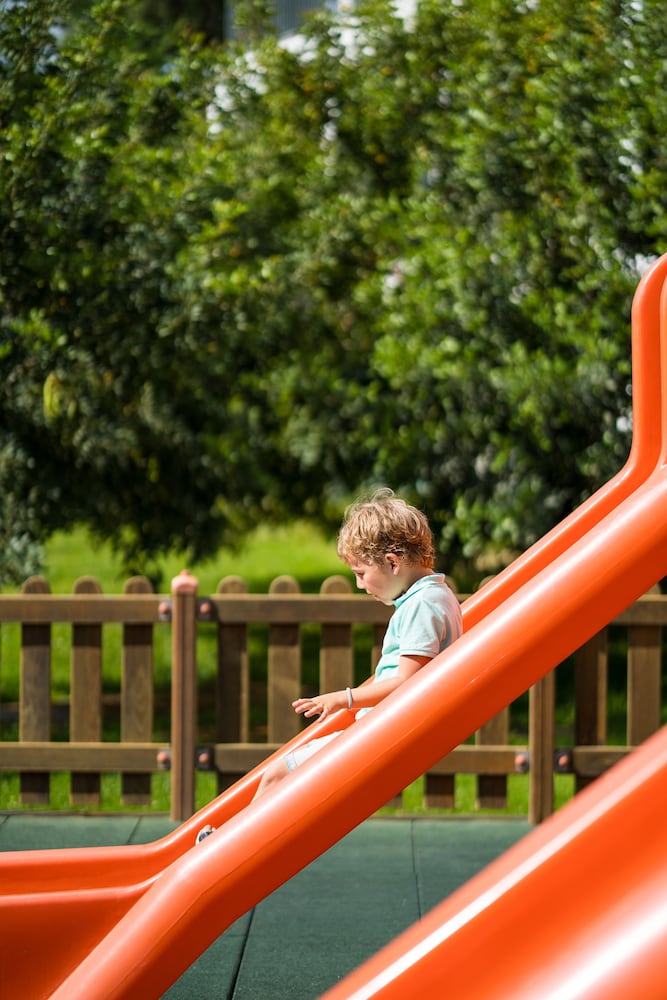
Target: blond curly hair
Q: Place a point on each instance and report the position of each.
(385, 523)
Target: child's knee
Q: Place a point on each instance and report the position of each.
(277, 772)
(274, 773)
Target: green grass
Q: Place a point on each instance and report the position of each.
(110, 794)
(298, 550)
(465, 793)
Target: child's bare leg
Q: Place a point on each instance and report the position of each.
(273, 773)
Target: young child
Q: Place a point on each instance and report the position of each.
(388, 545)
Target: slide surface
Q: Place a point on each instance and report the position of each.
(577, 909)
(126, 922)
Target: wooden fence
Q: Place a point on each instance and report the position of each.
(492, 755)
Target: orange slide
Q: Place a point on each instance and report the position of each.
(101, 923)
(577, 910)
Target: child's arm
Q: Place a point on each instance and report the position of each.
(366, 696)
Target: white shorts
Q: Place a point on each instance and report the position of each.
(297, 757)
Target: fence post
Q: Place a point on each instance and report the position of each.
(183, 695)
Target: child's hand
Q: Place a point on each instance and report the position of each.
(321, 704)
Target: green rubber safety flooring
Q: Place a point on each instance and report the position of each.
(324, 922)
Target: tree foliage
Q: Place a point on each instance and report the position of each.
(245, 284)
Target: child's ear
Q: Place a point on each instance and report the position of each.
(394, 561)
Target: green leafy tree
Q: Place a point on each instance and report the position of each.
(244, 284)
(468, 256)
(102, 412)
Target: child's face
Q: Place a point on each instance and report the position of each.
(380, 581)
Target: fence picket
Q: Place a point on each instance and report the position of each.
(644, 680)
(137, 695)
(590, 697)
(86, 695)
(233, 682)
(284, 671)
(644, 677)
(336, 649)
(542, 699)
(35, 696)
(492, 788)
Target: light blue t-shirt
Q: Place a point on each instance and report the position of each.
(426, 620)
